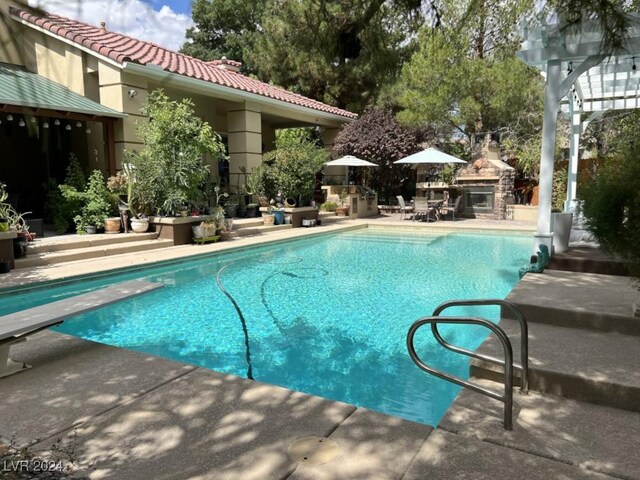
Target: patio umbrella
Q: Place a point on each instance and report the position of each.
(349, 161)
(430, 155)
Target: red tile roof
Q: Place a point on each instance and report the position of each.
(121, 48)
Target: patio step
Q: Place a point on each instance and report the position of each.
(586, 365)
(71, 242)
(96, 251)
(587, 259)
(581, 307)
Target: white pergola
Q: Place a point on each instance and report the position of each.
(581, 78)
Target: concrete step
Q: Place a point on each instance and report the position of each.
(62, 256)
(596, 367)
(587, 259)
(239, 223)
(551, 436)
(70, 242)
(580, 305)
(257, 230)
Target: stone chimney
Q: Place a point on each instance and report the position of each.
(103, 27)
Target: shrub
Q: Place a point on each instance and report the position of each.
(329, 206)
(612, 207)
(59, 209)
(94, 200)
(169, 170)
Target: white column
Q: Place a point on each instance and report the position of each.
(543, 233)
(574, 146)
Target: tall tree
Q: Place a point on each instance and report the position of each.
(465, 75)
(378, 137)
(224, 28)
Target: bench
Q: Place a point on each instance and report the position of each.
(16, 327)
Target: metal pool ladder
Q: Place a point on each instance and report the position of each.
(507, 363)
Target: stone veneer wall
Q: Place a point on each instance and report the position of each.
(486, 169)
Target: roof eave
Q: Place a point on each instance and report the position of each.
(228, 92)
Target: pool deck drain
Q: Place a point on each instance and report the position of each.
(130, 415)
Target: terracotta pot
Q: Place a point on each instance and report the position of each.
(342, 211)
(112, 225)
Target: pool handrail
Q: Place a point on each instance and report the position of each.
(524, 336)
(507, 397)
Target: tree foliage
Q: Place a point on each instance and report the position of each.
(169, 171)
(612, 205)
(378, 137)
(465, 75)
(339, 52)
(292, 167)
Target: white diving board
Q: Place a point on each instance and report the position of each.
(15, 327)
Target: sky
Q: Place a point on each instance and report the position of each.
(163, 22)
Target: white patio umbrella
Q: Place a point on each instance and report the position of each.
(430, 155)
(349, 161)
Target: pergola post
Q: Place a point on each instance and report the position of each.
(574, 146)
(543, 234)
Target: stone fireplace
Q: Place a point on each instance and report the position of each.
(487, 182)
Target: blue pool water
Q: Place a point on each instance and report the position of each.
(326, 315)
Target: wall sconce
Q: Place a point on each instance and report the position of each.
(78, 124)
(33, 119)
(21, 123)
(88, 130)
(56, 122)
(9, 118)
(45, 125)
(132, 93)
(68, 127)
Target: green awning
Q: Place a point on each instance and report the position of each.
(22, 88)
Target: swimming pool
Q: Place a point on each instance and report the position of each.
(326, 315)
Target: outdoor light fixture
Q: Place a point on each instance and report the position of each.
(78, 124)
(45, 125)
(88, 130)
(21, 123)
(9, 118)
(132, 92)
(33, 119)
(68, 127)
(56, 122)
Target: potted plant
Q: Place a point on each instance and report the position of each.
(18, 223)
(95, 203)
(4, 209)
(343, 209)
(268, 218)
(227, 232)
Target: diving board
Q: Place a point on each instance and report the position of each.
(17, 326)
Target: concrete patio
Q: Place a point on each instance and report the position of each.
(129, 415)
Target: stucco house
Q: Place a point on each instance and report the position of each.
(66, 86)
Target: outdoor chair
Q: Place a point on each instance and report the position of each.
(404, 208)
(425, 210)
(451, 209)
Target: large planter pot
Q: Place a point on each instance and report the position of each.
(139, 225)
(342, 211)
(279, 217)
(20, 246)
(112, 225)
(268, 218)
(4, 225)
(561, 231)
